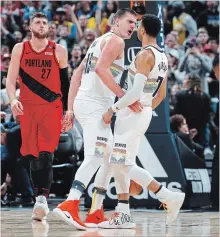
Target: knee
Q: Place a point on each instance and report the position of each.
(44, 161)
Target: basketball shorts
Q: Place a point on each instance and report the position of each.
(96, 134)
(40, 127)
(129, 128)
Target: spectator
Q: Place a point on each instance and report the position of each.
(52, 35)
(183, 23)
(89, 37)
(209, 18)
(179, 126)
(195, 61)
(11, 39)
(76, 56)
(11, 140)
(195, 106)
(60, 18)
(83, 21)
(4, 70)
(202, 36)
(174, 75)
(214, 44)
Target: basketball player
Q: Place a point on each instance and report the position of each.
(148, 75)
(93, 89)
(41, 66)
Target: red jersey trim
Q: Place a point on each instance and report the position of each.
(41, 50)
(54, 53)
(23, 50)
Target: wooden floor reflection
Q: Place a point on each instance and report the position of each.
(16, 222)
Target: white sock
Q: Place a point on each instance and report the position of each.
(123, 207)
(163, 193)
(41, 198)
(74, 194)
(97, 201)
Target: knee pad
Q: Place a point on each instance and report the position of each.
(78, 185)
(44, 161)
(99, 191)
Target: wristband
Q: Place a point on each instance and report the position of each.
(10, 101)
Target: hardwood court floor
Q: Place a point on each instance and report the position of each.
(17, 222)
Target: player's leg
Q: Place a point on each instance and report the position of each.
(49, 127)
(102, 179)
(95, 135)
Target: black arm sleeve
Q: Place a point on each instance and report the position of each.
(65, 84)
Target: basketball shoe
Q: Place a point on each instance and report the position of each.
(172, 203)
(40, 210)
(68, 211)
(119, 220)
(92, 220)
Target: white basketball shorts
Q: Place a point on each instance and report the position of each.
(96, 134)
(129, 128)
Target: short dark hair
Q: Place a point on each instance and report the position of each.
(175, 122)
(213, 38)
(216, 60)
(121, 12)
(38, 15)
(151, 24)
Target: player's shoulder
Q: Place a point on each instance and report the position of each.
(114, 39)
(60, 48)
(18, 48)
(145, 55)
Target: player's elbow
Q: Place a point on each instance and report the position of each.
(97, 70)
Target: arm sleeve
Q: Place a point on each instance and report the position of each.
(65, 84)
(133, 94)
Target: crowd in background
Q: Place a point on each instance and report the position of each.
(191, 43)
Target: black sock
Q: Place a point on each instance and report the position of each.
(158, 189)
(43, 179)
(123, 201)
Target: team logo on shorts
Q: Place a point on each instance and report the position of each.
(100, 146)
(118, 156)
(100, 149)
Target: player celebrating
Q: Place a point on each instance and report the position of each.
(42, 69)
(148, 74)
(93, 88)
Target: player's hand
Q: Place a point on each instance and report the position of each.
(136, 107)
(107, 117)
(3, 189)
(3, 114)
(67, 121)
(16, 108)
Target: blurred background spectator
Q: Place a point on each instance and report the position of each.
(191, 31)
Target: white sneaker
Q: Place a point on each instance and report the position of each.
(40, 210)
(119, 220)
(172, 203)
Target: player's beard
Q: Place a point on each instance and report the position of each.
(39, 36)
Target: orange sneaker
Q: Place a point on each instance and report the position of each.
(68, 211)
(92, 220)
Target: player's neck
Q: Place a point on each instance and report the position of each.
(38, 44)
(115, 31)
(148, 41)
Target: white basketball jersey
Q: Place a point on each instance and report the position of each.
(155, 78)
(92, 88)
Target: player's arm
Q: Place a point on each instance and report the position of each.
(75, 84)
(63, 64)
(161, 94)
(144, 63)
(113, 48)
(13, 73)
